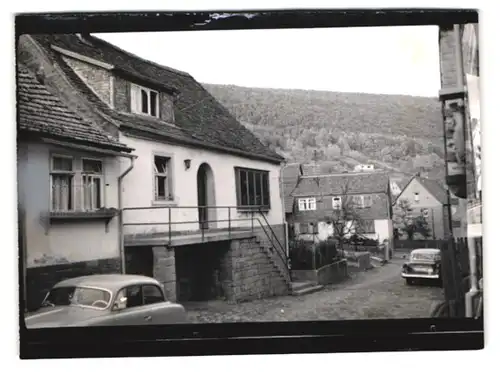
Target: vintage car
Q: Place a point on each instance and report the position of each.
(106, 299)
(424, 263)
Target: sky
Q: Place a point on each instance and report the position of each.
(386, 60)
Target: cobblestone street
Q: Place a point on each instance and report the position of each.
(379, 293)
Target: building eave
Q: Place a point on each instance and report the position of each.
(152, 136)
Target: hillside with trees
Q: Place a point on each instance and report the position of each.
(395, 132)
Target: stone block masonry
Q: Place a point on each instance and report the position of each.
(164, 270)
(249, 273)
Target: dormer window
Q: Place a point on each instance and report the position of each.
(144, 101)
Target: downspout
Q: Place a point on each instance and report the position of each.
(283, 208)
(120, 216)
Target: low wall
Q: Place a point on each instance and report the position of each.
(359, 260)
(328, 274)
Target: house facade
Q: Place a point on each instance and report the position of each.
(316, 197)
(202, 187)
(68, 181)
(428, 198)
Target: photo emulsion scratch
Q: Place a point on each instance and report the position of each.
(224, 183)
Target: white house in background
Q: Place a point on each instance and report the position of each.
(364, 168)
(316, 196)
(198, 170)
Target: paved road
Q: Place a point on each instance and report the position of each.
(376, 294)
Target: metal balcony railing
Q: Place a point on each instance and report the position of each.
(171, 221)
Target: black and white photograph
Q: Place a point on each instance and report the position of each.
(226, 175)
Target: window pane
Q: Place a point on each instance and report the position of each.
(62, 192)
(152, 294)
(96, 193)
(244, 188)
(144, 101)
(265, 188)
(251, 188)
(92, 166)
(152, 102)
(258, 189)
(161, 187)
(62, 164)
(161, 164)
(134, 296)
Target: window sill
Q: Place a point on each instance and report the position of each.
(251, 210)
(170, 203)
(104, 214)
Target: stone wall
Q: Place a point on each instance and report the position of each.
(247, 272)
(41, 279)
(164, 270)
(328, 274)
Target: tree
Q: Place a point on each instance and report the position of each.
(344, 217)
(409, 223)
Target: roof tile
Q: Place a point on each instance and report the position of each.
(198, 114)
(42, 112)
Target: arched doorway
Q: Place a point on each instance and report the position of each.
(206, 197)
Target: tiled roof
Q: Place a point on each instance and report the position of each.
(41, 112)
(290, 178)
(436, 189)
(198, 115)
(335, 184)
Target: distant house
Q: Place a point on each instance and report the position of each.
(68, 184)
(314, 198)
(364, 168)
(429, 198)
(203, 194)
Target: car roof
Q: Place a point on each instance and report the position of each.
(426, 250)
(112, 282)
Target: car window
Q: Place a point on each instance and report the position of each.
(152, 294)
(133, 295)
(81, 296)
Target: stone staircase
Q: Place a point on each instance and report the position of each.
(305, 287)
(276, 261)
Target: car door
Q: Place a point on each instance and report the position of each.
(154, 299)
(135, 312)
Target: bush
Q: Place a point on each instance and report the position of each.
(326, 253)
(303, 253)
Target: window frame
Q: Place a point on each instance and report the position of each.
(334, 207)
(363, 201)
(77, 184)
(92, 175)
(308, 204)
(71, 173)
(169, 175)
(263, 183)
(136, 100)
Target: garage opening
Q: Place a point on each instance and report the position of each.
(200, 271)
(139, 260)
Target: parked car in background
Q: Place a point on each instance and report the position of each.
(106, 299)
(424, 264)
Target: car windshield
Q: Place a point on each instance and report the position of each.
(425, 256)
(81, 296)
